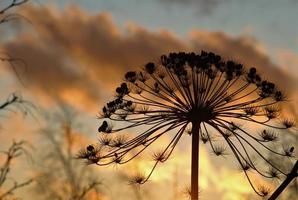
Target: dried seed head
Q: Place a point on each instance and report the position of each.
(234, 126)
(90, 148)
(251, 110)
(103, 126)
(91, 154)
(150, 68)
(131, 76)
(83, 154)
(227, 133)
(105, 140)
(272, 112)
(187, 192)
(185, 89)
(288, 151)
(159, 156)
(268, 135)
(156, 88)
(219, 150)
(245, 166)
(137, 179)
(273, 173)
(188, 131)
(119, 140)
(117, 159)
(204, 138)
(279, 96)
(288, 123)
(264, 190)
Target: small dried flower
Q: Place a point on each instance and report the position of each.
(219, 150)
(204, 138)
(138, 179)
(288, 151)
(288, 123)
(251, 111)
(159, 156)
(264, 190)
(105, 140)
(272, 172)
(268, 135)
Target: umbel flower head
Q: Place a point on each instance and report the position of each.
(215, 100)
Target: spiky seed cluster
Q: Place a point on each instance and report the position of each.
(183, 89)
(91, 154)
(264, 190)
(137, 179)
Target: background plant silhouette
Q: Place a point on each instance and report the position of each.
(6, 15)
(9, 184)
(215, 100)
(60, 176)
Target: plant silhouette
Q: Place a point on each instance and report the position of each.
(211, 99)
(60, 176)
(10, 185)
(15, 150)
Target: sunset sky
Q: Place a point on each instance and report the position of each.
(77, 51)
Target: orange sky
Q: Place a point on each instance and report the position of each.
(78, 58)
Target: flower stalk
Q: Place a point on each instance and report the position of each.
(195, 161)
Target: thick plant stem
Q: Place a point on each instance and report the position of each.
(291, 176)
(195, 161)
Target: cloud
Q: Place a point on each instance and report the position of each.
(246, 50)
(203, 6)
(79, 57)
(71, 52)
(48, 69)
(288, 59)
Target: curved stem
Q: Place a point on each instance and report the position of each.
(195, 161)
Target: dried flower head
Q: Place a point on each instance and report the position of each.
(273, 173)
(268, 136)
(137, 179)
(159, 156)
(201, 91)
(219, 150)
(264, 190)
(187, 192)
(288, 151)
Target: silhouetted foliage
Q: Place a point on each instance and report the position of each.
(16, 102)
(7, 184)
(7, 15)
(210, 98)
(8, 6)
(14, 99)
(60, 175)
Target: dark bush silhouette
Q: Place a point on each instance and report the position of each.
(209, 98)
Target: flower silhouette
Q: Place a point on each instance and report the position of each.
(211, 99)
